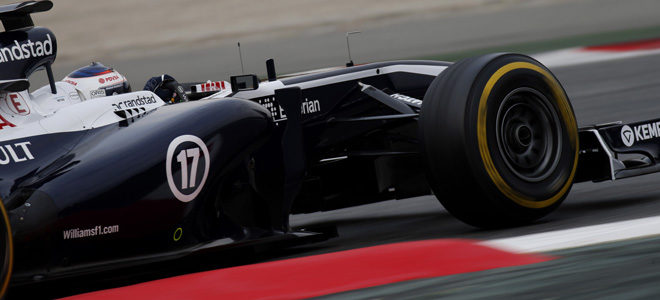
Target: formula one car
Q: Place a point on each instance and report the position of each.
(126, 179)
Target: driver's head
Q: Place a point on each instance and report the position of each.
(96, 80)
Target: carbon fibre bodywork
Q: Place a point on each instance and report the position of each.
(114, 177)
(104, 197)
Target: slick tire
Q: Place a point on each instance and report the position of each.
(500, 140)
(6, 251)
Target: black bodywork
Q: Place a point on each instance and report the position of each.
(91, 199)
(114, 176)
(355, 148)
(359, 151)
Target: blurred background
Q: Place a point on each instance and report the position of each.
(196, 40)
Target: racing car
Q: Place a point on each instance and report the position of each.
(129, 179)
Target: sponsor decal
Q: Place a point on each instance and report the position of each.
(407, 99)
(74, 96)
(70, 82)
(113, 89)
(306, 107)
(138, 102)
(210, 86)
(4, 123)
(26, 50)
(627, 136)
(77, 233)
(97, 93)
(16, 153)
(112, 78)
(17, 104)
(188, 156)
(275, 110)
(639, 133)
(108, 79)
(310, 107)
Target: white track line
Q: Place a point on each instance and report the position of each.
(579, 237)
(578, 56)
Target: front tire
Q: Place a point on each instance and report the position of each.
(500, 140)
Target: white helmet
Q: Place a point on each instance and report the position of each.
(97, 80)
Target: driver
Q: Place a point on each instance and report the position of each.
(167, 88)
(97, 80)
(92, 81)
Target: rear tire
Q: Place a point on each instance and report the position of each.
(6, 251)
(500, 140)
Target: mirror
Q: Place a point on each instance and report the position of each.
(244, 83)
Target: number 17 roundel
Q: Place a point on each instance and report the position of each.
(187, 166)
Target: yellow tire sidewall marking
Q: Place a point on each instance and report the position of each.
(5, 218)
(567, 116)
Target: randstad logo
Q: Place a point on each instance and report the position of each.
(26, 50)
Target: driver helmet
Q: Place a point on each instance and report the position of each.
(96, 80)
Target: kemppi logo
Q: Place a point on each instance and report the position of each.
(627, 136)
(630, 135)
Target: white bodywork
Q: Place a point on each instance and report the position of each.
(26, 114)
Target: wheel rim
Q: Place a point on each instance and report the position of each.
(529, 135)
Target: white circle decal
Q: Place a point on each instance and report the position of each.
(186, 152)
(14, 104)
(627, 135)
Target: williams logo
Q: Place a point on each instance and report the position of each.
(26, 50)
(627, 136)
(78, 233)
